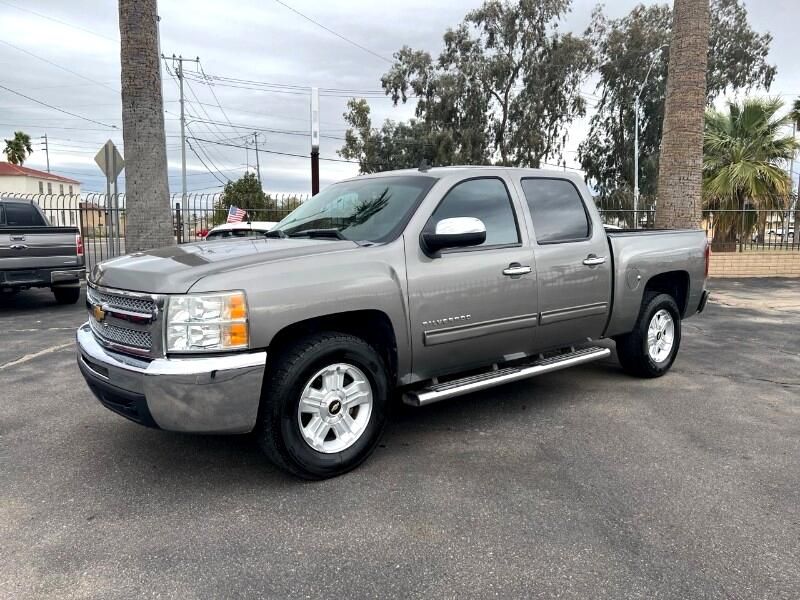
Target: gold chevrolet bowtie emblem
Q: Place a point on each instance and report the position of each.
(98, 313)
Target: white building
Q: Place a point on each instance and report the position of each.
(58, 196)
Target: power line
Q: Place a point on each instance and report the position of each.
(295, 90)
(213, 93)
(329, 30)
(33, 12)
(61, 110)
(56, 65)
(203, 162)
(276, 152)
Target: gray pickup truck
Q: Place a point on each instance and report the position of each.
(35, 254)
(432, 283)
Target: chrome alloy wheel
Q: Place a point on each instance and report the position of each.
(660, 336)
(335, 408)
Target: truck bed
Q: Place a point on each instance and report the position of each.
(641, 254)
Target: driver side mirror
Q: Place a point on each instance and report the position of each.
(456, 232)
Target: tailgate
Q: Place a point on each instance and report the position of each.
(38, 247)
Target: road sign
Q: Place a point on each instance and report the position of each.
(110, 161)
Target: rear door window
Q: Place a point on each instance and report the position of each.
(557, 211)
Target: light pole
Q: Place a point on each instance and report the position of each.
(636, 139)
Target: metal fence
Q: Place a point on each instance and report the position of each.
(749, 229)
(102, 220)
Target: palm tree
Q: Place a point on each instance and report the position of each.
(18, 148)
(681, 161)
(795, 114)
(148, 212)
(746, 151)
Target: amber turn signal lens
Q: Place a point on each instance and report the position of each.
(235, 335)
(236, 307)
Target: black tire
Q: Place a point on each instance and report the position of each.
(67, 295)
(279, 433)
(632, 348)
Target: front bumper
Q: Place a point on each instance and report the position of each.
(218, 394)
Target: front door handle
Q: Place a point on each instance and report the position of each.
(516, 269)
(19, 247)
(593, 260)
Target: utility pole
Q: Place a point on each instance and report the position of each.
(258, 164)
(46, 151)
(177, 62)
(636, 140)
(636, 163)
(314, 141)
(792, 206)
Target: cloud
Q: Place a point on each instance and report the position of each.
(249, 40)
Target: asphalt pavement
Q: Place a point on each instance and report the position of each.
(585, 483)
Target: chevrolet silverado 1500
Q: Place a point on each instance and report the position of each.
(434, 283)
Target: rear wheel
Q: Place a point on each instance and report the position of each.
(324, 405)
(67, 295)
(650, 349)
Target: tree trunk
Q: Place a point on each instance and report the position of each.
(148, 211)
(681, 162)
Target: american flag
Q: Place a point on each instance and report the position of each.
(235, 214)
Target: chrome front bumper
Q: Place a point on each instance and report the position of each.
(217, 394)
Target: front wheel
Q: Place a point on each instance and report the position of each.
(650, 349)
(323, 405)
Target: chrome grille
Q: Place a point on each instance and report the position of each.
(133, 338)
(140, 305)
(126, 321)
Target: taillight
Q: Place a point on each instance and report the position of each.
(708, 257)
(79, 244)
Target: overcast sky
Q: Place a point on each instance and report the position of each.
(76, 68)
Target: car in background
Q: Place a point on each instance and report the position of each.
(243, 229)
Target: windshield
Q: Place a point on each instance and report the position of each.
(374, 210)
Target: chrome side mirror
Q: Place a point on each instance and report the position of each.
(456, 232)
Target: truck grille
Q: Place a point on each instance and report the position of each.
(126, 321)
(145, 306)
(132, 338)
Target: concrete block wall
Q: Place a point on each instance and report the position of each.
(774, 263)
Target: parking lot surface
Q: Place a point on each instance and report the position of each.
(585, 483)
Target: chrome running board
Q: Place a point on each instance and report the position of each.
(482, 381)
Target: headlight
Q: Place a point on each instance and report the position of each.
(207, 322)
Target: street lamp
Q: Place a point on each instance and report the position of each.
(636, 139)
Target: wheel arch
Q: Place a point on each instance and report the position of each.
(673, 283)
(371, 325)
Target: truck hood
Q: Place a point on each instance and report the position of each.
(175, 269)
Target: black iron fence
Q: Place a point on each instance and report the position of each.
(749, 229)
(102, 220)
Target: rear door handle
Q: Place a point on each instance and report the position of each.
(593, 261)
(19, 247)
(516, 269)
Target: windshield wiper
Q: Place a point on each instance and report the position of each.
(275, 233)
(319, 233)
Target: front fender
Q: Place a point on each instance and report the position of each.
(282, 293)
